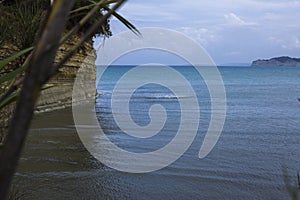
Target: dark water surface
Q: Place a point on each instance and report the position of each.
(260, 136)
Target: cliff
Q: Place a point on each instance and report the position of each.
(60, 94)
(278, 61)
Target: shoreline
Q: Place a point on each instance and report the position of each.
(55, 98)
(58, 97)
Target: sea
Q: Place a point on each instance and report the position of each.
(257, 155)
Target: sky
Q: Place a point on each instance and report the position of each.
(231, 31)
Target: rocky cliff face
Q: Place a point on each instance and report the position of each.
(69, 70)
(60, 94)
(279, 61)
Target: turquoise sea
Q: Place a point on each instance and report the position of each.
(260, 140)
(261, 134)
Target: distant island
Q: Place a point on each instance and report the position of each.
(278, 61)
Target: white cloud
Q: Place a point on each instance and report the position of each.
(252, 26)
(290, 43)
(202, 35)
(273, 4)
(148, 12)
(233, 53)
(297, 43)
(233, 19)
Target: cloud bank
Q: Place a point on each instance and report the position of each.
(230, 30)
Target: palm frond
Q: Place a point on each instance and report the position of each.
(6, 61)
(12, 98)
(12, 75)
(124, 21)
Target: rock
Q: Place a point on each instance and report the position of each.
(59, 96)
(278, 61)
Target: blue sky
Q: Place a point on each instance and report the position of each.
(230, 30)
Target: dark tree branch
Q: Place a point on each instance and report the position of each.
(16, 83)
(37, 73)
(87, 35)
(11, 89)
(83, 21)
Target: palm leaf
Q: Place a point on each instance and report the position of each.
(125, 22)
(9, 100)
(82, 8)
(11, 75)
(4, 62)
(5, 86)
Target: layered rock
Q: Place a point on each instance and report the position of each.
(59, 95)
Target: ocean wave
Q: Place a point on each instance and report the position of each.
(147, 95)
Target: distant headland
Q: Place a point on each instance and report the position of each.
(278, 61)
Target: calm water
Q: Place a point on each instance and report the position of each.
(260, 136)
